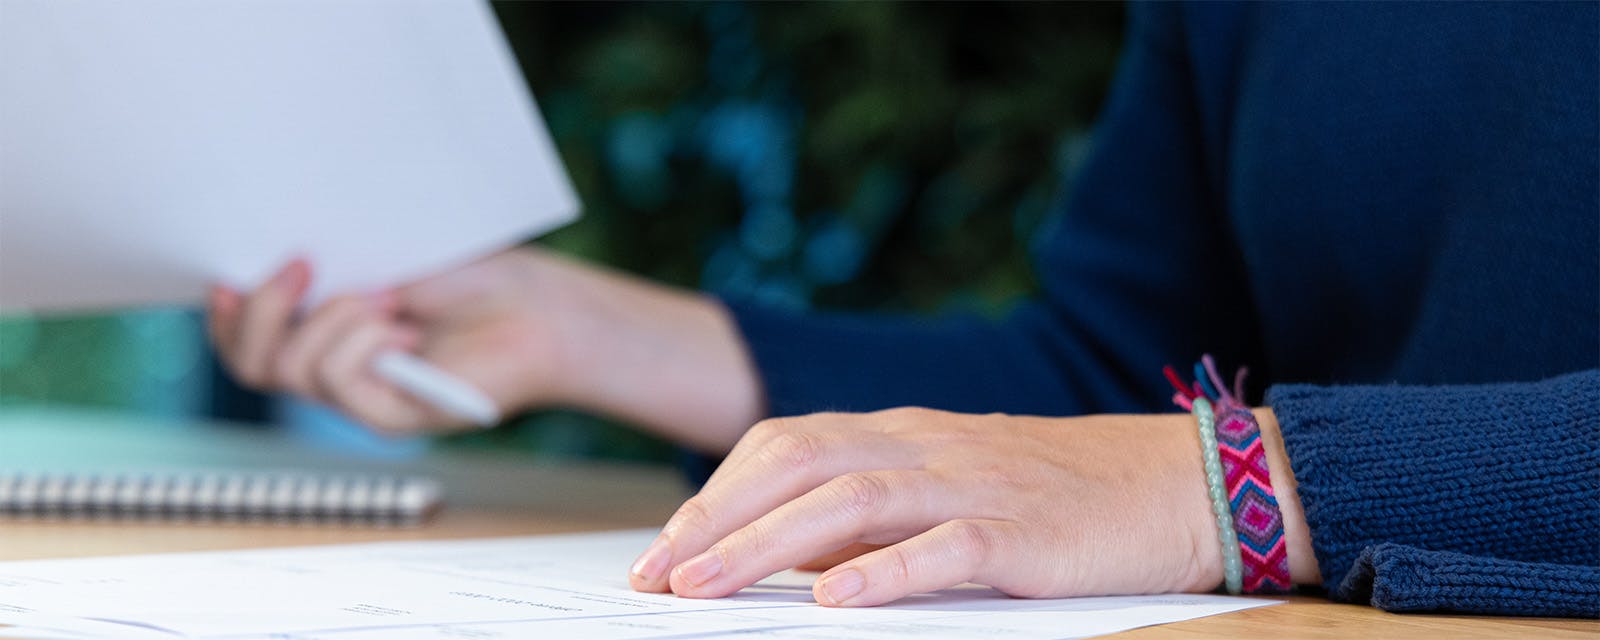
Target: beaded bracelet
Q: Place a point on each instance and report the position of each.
(1254, 537)
(1231, 570)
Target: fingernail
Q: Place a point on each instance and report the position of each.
(843, 586)
(653, 562)
(702, 568)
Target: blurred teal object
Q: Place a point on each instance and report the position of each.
(151, 360)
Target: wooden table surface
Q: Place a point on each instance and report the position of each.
(504, 495)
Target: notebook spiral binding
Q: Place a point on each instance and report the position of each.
(221, 496)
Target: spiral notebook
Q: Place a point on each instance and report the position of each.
(280, 497)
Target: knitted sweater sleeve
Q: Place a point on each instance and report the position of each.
(1479, 499)
(1115, 269)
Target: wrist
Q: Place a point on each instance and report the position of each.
(1207, 567)
(1193, 506)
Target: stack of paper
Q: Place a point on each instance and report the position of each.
(555, 586)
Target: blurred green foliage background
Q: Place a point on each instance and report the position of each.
(858, 155)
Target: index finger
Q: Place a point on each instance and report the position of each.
(794, 457)
(879, 506)
(222, 316)
(265, 319)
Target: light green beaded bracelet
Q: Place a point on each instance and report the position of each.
(1232, 565)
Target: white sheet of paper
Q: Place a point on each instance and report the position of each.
(149, 148)
(549, 586)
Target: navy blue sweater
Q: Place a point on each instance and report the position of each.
(1336, 195)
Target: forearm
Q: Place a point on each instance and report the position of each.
(667, 360)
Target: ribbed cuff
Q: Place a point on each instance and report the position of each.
(1399, 578)
(1503, 473)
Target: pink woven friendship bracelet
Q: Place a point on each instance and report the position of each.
(1256, 517)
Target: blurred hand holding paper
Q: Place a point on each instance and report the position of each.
(148, 149)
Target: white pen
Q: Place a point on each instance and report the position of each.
(443, 391)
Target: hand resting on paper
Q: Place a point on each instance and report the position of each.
(1034, 507)
(526, 327)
